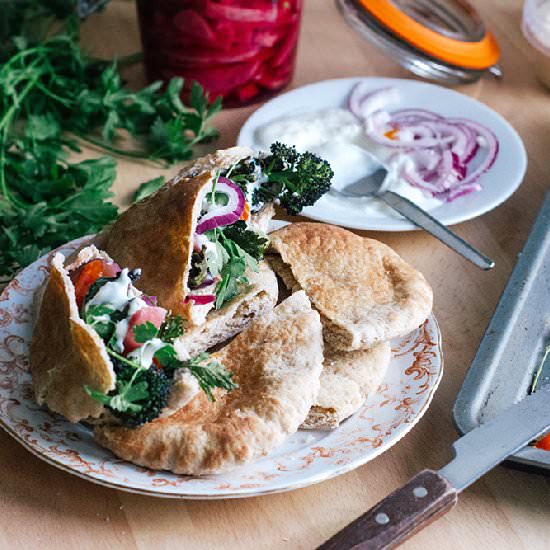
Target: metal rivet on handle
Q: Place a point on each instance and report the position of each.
(420, 492)
(382, 518)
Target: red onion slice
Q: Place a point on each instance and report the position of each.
(414, 115)
(199, 299)
(149, 300)
(440, 149)
(491, 144)
(363, 101)
(220, 216)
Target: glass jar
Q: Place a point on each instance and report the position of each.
(536, 28)
(428, 37)
(243, 50)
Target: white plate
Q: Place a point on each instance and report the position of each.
(305, 458)
(498, 183)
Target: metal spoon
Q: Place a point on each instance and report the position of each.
(373, 186)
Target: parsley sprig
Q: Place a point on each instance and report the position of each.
(236, 249)
(210, 374)
(53, 96)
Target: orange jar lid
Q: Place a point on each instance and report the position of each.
(477, 54)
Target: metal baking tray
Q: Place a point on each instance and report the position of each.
(513, 345)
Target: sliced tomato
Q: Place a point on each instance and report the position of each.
(153, 314)
(544, 443)
(86, 275)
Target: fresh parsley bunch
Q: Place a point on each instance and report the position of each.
(52, 96)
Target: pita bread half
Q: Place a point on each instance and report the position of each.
(363, 290)
(277, 362)
(348, 378)
(256, 299)
(156, 233)
(65, 352)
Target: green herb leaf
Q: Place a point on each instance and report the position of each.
(167, 357)
(253, 243)
(145, 332)
(173, 326)
(52, 94)
(148, 188)
(98, 396)
(216, 258)
(232, 274)
(210, 374)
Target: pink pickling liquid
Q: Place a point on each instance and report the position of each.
(243, 50)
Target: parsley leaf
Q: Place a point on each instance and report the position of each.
(148, 188)
(167, 357)
(145, 332)
(172, 327)
(216, 258)
(252, 242)
(232, 274)
(210, 373)
(99, 317)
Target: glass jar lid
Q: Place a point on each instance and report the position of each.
(443, 40)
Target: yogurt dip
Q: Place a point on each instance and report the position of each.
(338, 137)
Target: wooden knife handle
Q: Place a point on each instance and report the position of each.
(426, 497)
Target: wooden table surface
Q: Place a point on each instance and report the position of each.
(41, 507)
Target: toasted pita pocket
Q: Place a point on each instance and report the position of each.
(65, 352)
(157, 232)
(256, 299)
(348, 378)
(363, 290)
(277, 362)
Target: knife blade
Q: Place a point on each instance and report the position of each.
(430, 493)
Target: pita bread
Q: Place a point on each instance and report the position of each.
(156, 233)
(363, 290)
(258, 297)
(65, 352)
(348, 378)
(276, 361)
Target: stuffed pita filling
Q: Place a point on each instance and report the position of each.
(228, 240)
(137, 336)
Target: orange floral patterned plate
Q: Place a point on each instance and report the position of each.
(305, 458)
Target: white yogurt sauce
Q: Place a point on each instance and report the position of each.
(115, 293)
(337, 136)
(145, 353)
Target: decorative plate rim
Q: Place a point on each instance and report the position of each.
(311, 479)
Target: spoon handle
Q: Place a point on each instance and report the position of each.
(422, 219)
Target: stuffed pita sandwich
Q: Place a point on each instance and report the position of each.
(103, 351)
(201, 238)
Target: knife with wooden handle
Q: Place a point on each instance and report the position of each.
(430, 494)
